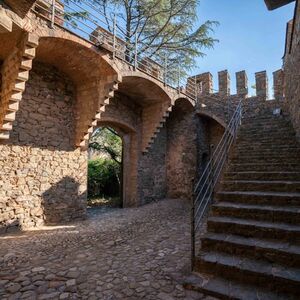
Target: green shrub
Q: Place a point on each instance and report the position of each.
(103, 178)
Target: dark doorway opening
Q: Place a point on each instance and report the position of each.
(105, 165)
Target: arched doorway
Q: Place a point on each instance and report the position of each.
(105, 166)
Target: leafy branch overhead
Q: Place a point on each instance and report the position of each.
(108, 143)
(165, 29)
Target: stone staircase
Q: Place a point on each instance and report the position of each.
(252, 246)
(15, 73)
(151, 135)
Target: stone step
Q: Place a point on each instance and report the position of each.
(272, 250)
(281, 214)
(264, 167)
(262, 149)
(255, 229)
(264, 155)
(253, 175)
(267, 125)
(4, 135)
(257, 197)
(274, 277)
(264, 120)
(264, 159)
(278, 129)
(268, 142)
(260, 185)
(288, 130)
(222, 288)
(270, 139)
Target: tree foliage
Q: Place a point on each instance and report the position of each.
(166, 30)
(106, 141)
(104, 172)
(102, 177)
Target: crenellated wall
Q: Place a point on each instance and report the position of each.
(221, 104)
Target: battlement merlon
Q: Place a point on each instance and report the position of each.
(241, 83)
(205, 82)
(224, 83)
(278, 84)
(261, 82)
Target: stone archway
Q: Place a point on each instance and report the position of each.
(129, 158)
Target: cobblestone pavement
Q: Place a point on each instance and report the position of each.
(137, 253)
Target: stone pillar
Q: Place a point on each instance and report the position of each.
(206, 82)
(224, 83)
(278, 79)
(241, 83)
(261, 80)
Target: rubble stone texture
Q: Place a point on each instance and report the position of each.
(292, 69)
(42, 173)
(136, 253)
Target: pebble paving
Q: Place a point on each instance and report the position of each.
(134, 253)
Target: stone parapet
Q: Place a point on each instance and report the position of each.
(261, 82)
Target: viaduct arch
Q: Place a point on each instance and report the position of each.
(66, 89)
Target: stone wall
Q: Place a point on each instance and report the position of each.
(292, 69)
(152, 182)
(20, 7)
(42, 175)
(181, 153)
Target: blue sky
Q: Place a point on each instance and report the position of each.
(250, 37)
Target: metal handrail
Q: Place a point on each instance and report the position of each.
(100, 29)
(204, 188)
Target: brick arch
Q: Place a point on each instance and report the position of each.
(213, 117)
(153, 97)
(95, 81)
(188, 100)
(129, 158)
(151, 81)
(64, 35)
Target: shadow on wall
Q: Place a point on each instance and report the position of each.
(64, 202)
(46, 116)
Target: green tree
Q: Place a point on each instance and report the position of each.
(102, 177)
(107, 142)
(166, 30)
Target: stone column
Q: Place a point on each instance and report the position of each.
(224, 83)
(278, 79)
(241, 83)
(261, 80)
(206, 83)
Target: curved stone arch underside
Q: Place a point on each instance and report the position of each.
(187, 99)
(154, 98)
(207, 114)
(95, 81)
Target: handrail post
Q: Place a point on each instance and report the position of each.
(52, 13)
(114, 37)
(165, 69)
(135, 50)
